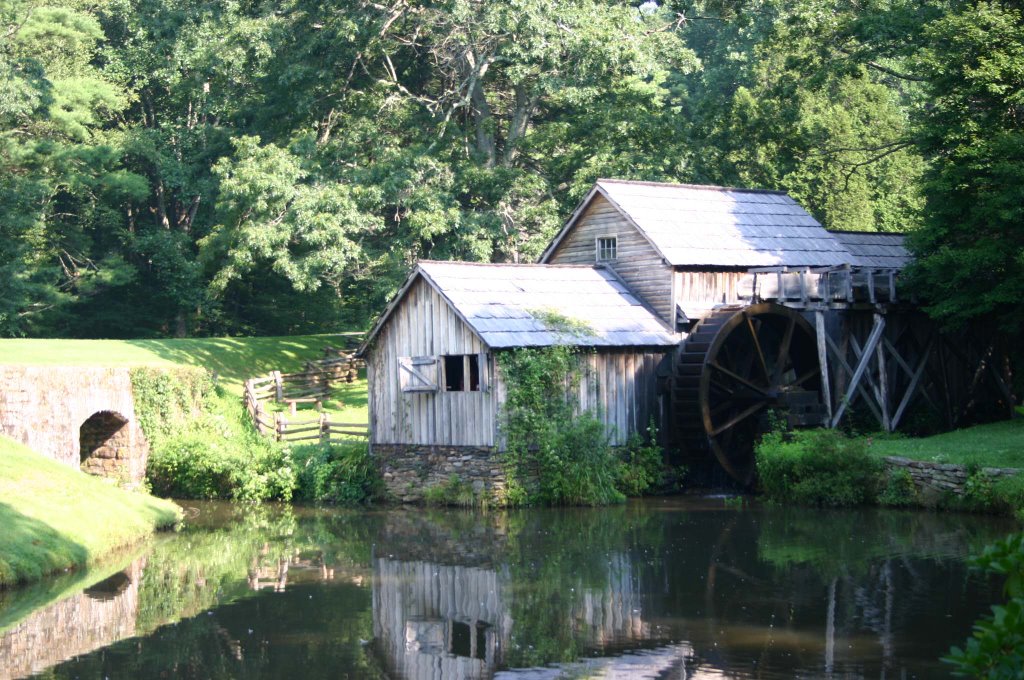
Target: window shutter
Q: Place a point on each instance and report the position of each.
(417, 374)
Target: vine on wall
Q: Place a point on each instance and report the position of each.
(556, 454)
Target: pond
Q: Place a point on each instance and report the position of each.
(673, 587)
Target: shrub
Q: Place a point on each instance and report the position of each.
(817, 467)
(642, 465)
(340, 473)
(899, 490)
(555, 454)
(1009, 495)
(211, 452)
(576, 466)
(996, 648)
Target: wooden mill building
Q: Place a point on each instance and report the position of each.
(435, 388)
(709, 309)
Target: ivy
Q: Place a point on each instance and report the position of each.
(556, 454)
(167, 398)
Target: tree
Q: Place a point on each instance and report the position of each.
(970, 253)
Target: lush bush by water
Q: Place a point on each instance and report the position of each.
(817, 467)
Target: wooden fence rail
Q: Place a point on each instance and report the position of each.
(312, 385)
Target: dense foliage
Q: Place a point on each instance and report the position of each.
(557, 453)
(817, 467)
(996, 649)
(202, 445)
(197, 168)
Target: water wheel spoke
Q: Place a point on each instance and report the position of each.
(757, 346)
(721, 408)
(745, 413)
(722, 387)
(737, 377)
(783, 359)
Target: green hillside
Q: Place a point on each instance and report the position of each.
(55, 518)
(233, 359)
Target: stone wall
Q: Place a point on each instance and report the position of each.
(934, 479)
(45, 408)
(410, 469)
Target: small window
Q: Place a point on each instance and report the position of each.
(462, 373)
(606, 248)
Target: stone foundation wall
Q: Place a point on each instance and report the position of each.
(410, 469)
(940, 478)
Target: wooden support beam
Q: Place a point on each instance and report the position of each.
(905, 365)
(912, 388)
(869, 377)
(847, 372)
(862, 365)
(883, 377)
(826, 387)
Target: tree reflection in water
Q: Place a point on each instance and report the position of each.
(692, 587)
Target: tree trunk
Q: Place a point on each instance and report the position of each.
(180, 325)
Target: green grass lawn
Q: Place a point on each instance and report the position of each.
(234, 359)
(55, 518)
(993, 445)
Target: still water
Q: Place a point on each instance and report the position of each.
(663, 588)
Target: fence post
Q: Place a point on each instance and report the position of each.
(279, 385)
(281, 425)
(325, 429)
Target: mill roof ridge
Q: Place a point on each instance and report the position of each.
(681, 185)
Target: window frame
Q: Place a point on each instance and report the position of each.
(602, 249)
(468, 362)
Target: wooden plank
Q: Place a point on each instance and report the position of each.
(826, 387)
(912, 387)
(883, 379)
(858, 373)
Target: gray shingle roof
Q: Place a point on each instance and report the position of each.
(874, 249)
(520, 305)
(715, 226)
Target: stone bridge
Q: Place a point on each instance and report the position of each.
(78, 415)
(99, 616)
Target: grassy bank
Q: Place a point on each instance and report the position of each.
(233, 359)
(55, 518)
(827, 468)
(993, 445)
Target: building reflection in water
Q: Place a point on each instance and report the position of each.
(96, 617)
(440, 621)
(450, 621)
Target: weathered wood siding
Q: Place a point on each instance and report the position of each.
(637, 262)
(424, 324)
(620, 386)
(699, 291)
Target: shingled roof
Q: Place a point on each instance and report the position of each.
(510, 305)
(692, 225)
(874, 249)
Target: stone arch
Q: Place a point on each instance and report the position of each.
(105, 444)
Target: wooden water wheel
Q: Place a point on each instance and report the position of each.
(739, 365)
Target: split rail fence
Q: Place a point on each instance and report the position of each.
(311, 386)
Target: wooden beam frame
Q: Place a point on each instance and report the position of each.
(858, 373)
